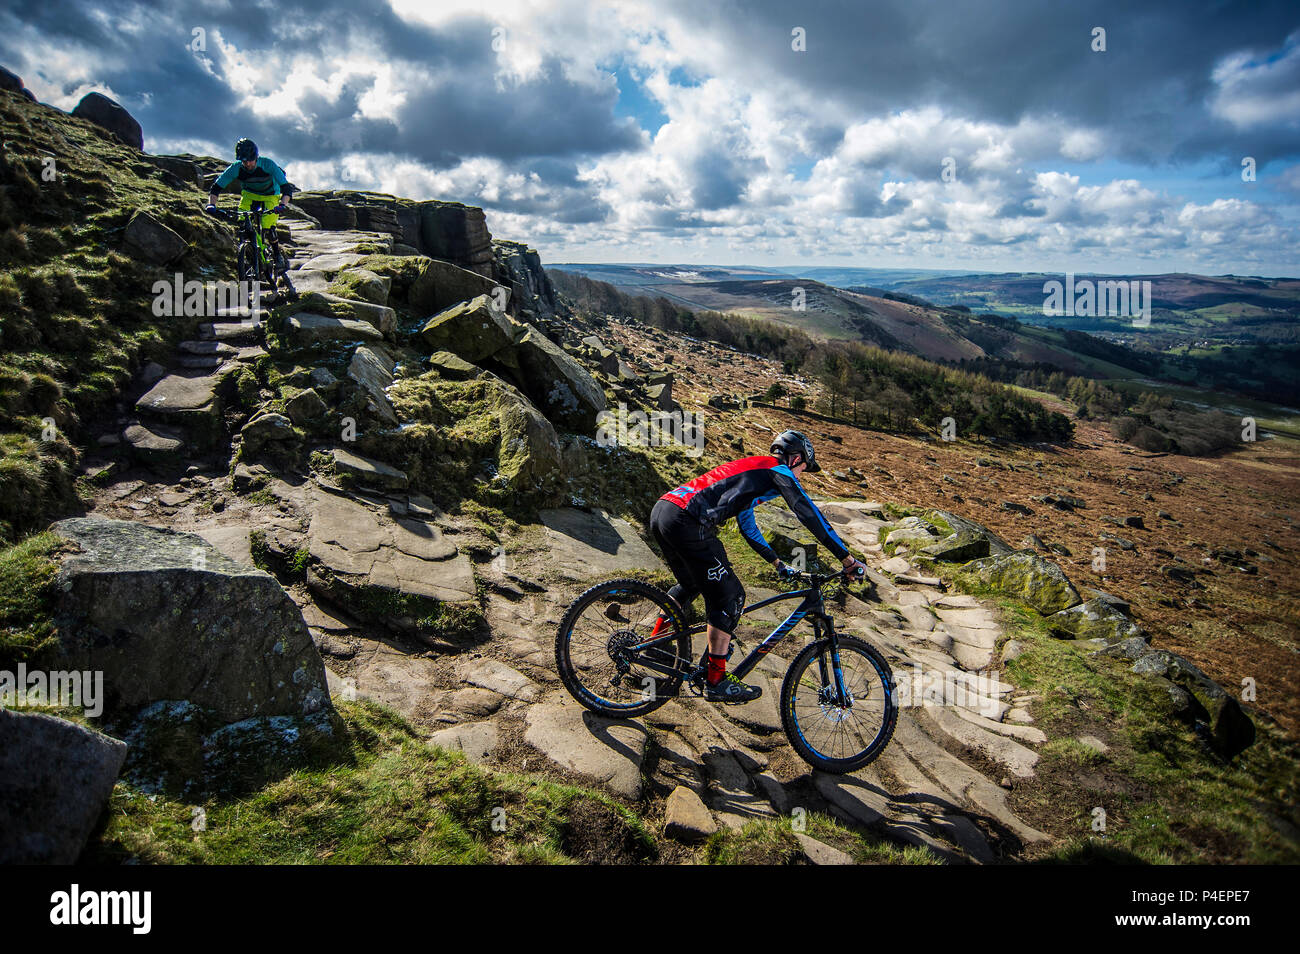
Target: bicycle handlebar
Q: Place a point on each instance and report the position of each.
(232, 215)
(820, 579)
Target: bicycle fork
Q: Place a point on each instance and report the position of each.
(832, 676)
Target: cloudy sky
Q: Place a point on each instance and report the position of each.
(696, 131)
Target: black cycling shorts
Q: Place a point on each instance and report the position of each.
(699, 561)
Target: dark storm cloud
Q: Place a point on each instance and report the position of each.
(454, 107)
(1152, 96)
(1003, 59)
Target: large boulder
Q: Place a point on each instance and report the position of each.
(13, 83)
(440, 285)
(107, 114)
(383, 318)
(371, 370)
(960, 547)
(333, 213)
(451, 366)
(1093, 619)
(181, 168)
(165, 615)
(557, 384)
(472, 329)
(529, 454)
(178, 748)
(1231, 730)
(307, 330)
(361, 284)
(153, 241)
(520, 267)
(1027, 577)
(55, 779)
(457, 233)
(996, 545)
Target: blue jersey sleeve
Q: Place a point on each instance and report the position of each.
(801, 506)
(754, 536)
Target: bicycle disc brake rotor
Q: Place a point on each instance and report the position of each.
(832, 710)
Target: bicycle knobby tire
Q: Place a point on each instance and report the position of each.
(569, 675)
(806, 657)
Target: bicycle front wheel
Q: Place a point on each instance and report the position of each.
(246, 262)
(833, 735)
(593, 648)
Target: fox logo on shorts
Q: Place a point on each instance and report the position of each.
(717, 572)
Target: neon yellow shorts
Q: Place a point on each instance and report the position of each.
(269, 201)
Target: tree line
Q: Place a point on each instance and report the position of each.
(866, 385)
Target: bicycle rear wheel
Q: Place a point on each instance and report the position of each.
(832, 737)
(592, 651)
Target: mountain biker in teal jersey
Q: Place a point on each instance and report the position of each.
(685, 520)
(262, 182)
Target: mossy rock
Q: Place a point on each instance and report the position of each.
(1027, 577)
(1093, 619)
(1231, 730)
(182, 750)
(961, 547)
(362, 284)
(476, 436)
(445, 626)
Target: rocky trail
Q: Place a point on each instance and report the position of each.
(942, 782)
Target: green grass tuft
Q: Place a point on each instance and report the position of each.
(389, 798)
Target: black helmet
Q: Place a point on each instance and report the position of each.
(245, 149)
(792, 442)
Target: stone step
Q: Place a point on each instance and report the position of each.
(1023, 732)
(229, 330)
(184, 399)
(152, 444)
(971, 658)
(200, 361)
(1016, 758)
(967, 786)
(206, 348)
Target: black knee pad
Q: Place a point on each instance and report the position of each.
(727, 615)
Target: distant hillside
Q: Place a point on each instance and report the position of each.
(1224, 309)
(1106, 381)
(885, 319)
(1239, 349)
(883, 388)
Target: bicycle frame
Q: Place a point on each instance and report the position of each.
(812, 606)
(254, 218)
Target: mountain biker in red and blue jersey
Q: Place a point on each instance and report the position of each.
(685, 521)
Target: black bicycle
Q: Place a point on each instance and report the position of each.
(256, 263)
(624, 649)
